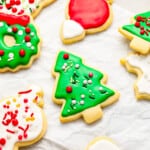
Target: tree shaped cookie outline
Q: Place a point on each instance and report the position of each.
(74, 28)
(138, 32)
(84, 93)
(23, 121)
(139, 65)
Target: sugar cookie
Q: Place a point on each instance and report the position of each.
(19, 42)
(85, 17)
(22, 121)
(80, 89)
(102, 143)
(138, 32)
(21, 7)
(140, 65)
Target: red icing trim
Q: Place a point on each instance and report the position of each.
(12, 19)
(25, 92)
(89, 13)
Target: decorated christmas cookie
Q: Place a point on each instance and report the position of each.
(80, 89)
(140, 65)
(22, 121)
(85, 17)
(102, 143)
(19, 42)
(138, 32)
(20, 7)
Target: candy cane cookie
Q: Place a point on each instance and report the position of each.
(19, 42)
(20, 7)
(22, 121)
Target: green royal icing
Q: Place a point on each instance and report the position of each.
(11, 57)
(136, 30)
(75, 74)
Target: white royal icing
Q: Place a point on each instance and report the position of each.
(143, 63)
(103, 145)
(33, 115)
(25, 5)
(71, 29)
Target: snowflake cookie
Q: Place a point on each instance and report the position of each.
(140, 65)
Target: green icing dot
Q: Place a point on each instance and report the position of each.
(11, 57)
(87, 91)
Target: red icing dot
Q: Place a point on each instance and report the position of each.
(22, 52)
(12, 2)
(31, 1)
(14, 29)
(66, 56)
(139, 18)
(2, 141)
(16, 111)
(21, 12)
(17, 2)
(142, 32)
(137, 24)
(90, 74)
(27, 38)
(1, 52)
(20, 137)
(88, 13)
(27, 30)
(8, 6)
(25, 135)
(15, 122)
(26, 101)
(68, 89)
(14, 10)
(1, 7)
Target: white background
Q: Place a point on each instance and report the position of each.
(127, 122)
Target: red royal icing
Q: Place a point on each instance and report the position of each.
(12, 19)
(89, 13)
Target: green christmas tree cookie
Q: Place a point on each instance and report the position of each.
(138, 32)
(80, 89)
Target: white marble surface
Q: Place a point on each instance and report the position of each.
(127, 122)
(134, 5)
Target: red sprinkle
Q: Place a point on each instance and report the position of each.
(8, 6)
(25, 135)
(17, 2)
(66, 56)
(12, 2)
(142, 32)
(20, 137)
(25, 92)
(1, 7)
(27, 30)
(25, 100)
(68, 89)
(21, 12)
(22, 52)
(1, 52)
(14, 29)
(14, 10)
(12, 132)
(31, 1)
(15, 122)
(90, 74)
(139, 18)
(27, 38)
(137, 24)
(2, 141)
